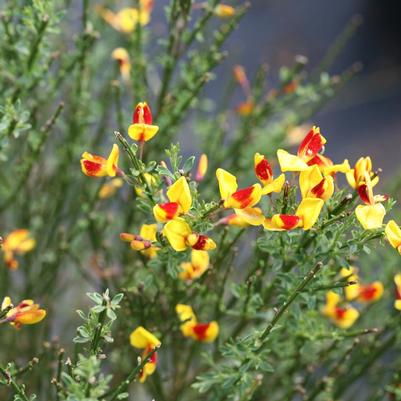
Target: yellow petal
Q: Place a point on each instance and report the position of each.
(351, 315)
(185, 313)
(212, 332)
(344, 167)
(252, 216)
(200, 259)
(148, 232)
(6, 303)
(176, 231)
(142, 338)
(112, 161)
(370, 216)
(309, 179)
(309, 210)
(142, 132)
(227, 183)
(31, 317)
(393, 233)
(350, 175)
(179, 192)
(275, 186)
(289, 162)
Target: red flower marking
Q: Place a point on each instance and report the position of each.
(243, 196)
(263, 170)
(368, 292)
(311, 144)
(364, 194)
(318, 190)
(200, 330)
(340, 313)
(170, 208)
(92, 168)
(289, 221)
(142, 114)
(200, 243)
(397, 293)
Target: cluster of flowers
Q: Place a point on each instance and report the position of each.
(338, 310)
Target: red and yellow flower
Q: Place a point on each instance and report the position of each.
(97, 166)
(224, 11)
(397, 301)
(26, 312)
(264, 173)
(342, 315)
(364, 293)
(308, 155)
(143, 339)
(144, 241)
(180, 201)
(180, 236)
(196, 267)
(393, 235)
(305, 217)
(122, 57)
(371, 214)
(141, 129)
(202, 167)
(314, 185)
(18, 242)
(190, 327)
(241, 200)
(126, 19)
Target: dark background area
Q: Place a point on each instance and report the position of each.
(365, 117)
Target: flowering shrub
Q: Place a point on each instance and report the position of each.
(215, 276)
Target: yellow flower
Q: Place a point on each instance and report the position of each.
(194, 269)
(110, 188)
(26, 312)
(180, 236)
(343, 316)
(18, 242)
(141, 129)
(143, 339)
(314, 185)
(306, 216)
(126, 19)
(180, 199)
(97, 166)
(122, 57)
(264, 173)
(308, 155)
(393, 235)
(241, 200)
(364, 293)
(190, 327)
(224, 11)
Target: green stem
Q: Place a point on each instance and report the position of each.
(134, 373)
(17, 388)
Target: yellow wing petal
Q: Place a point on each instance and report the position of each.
(227, 183)
(179, 192)
(289, 162)
(309, 210)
